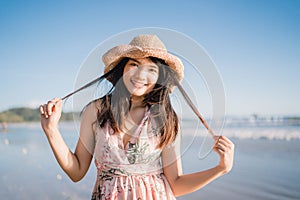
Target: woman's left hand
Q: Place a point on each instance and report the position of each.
(225, 148)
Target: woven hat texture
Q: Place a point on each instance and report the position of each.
(140, 47)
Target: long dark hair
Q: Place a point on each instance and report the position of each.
(114, 106)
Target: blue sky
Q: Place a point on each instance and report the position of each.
(255, 45)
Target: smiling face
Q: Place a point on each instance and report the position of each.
(140, 76)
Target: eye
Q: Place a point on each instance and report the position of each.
(133, 64)
(153, 70)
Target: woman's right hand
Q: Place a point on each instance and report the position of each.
(225, 148)
(50, 114)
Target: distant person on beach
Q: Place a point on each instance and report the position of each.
(131, 131)
(4, 126)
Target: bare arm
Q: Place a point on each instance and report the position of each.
(182, 184)
(74, 164)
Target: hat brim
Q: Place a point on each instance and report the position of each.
(116, 54)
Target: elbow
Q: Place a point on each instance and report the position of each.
(175, 190)
(179, 188)
(75, 178)
(176, 193)
(76, 175)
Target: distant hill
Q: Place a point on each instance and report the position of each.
(24, 114)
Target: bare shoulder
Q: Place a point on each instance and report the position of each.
(89, 114)
(93, 108)
(87, 126)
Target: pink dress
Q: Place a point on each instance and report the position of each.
(131, 172)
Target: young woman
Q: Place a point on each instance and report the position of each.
(131, 131)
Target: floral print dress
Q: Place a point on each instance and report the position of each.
(133, 172)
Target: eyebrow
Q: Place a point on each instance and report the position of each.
(152, 66)
(135, 60)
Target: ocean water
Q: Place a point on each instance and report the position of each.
(267, 162)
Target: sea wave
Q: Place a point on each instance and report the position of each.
(270, 128)
(263, 133)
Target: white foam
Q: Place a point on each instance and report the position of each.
(271, 128)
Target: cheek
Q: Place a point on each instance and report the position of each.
(126, 81)
(153, 78)
(127, 75)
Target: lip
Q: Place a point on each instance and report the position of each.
(137, 84)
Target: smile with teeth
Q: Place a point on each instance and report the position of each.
(138, 84)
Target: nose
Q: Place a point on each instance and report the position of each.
(141, 73)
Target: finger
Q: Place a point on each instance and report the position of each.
(219, 151)
(56, 99)
(228, 143)
(42, 110)
(221, 147)
(224, 140)
(223, 143)
(216, 138)
(45, 110)
(50, 106)
(227, 140)
(58, 103)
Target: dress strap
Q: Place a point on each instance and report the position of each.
(138, 130)
(131, 146)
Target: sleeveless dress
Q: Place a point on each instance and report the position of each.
(133, 172)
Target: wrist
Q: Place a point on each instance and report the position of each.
(221, 169)
(51, 131)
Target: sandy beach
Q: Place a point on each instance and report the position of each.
(263, 169)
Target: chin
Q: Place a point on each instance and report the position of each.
(139, 92)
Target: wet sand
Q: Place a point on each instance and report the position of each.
(263, 169)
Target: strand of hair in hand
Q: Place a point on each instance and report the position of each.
(97, 80)
(193, 107)
(184, 94)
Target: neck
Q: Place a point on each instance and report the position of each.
(137, 101)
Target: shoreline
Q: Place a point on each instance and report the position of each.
(263, 169)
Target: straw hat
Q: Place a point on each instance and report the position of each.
(140, 47)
